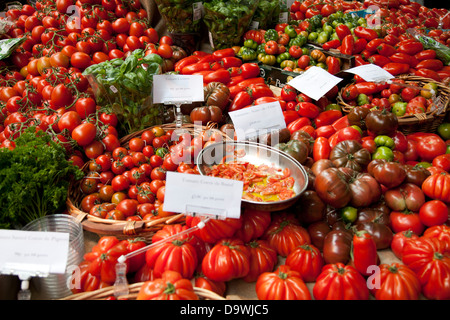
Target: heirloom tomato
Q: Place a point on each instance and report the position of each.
(171, 286)
(282, 284)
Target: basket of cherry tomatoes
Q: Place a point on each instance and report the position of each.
(419, 103)
(122, 193)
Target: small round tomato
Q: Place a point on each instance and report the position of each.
(84, 133)
(165, 51)
(433, 212)
(402, 221)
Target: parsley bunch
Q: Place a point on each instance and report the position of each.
(34, 179)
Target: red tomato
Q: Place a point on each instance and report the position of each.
(80, 60)
(284, 234)
(69, 121)
(178, 255)
(214, 229)
(433, 212)
(84, 133)
(263, 258)
(397, 282)
(441, 232)
(402, 221)
(437, 186)
(307, 260)
(282, 284)
(128, 207)
(399, 239)
(429, 258)
(165, 51)
(85, 107)
(104, 256)
(171, 286)
(228, 259)
(340, 282)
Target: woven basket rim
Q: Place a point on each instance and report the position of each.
(103, 293)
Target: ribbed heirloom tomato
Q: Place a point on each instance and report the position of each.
(429, 258)
(171, 286)
(282, 284)
(228, 259)
(340, 282)
(263, 258)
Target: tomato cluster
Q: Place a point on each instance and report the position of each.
(42, 83)
(128, 181)
(401, 98)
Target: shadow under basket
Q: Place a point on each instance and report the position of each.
(421, 122)
(120, 228)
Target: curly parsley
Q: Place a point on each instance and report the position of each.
(34, 179)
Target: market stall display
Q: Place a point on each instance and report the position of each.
(360, 182)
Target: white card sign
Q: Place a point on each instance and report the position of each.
(315, 82)
(256, 120)
(170, 88)
(371, 72)
(203, 195)
(33, 252)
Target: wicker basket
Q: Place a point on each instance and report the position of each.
(102, 294)
(422, 122)
(126, 229)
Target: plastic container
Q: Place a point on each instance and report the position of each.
(55, 286)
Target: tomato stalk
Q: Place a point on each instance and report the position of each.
(170, 288)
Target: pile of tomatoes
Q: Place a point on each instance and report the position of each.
(402, 99)
(128, 182)
(370, 186)
(42, 83)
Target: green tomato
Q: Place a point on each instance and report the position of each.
(383, 153)
(424, 164)
(321, 65)
(162, 151)
(361, 22)
(334, 36)
(328, 28)
(349, 214)
(385, 141)
(250, 43)
(323, 37)
(399, 108)
(290, 31)
(358, 128)
(268, 59)
(333, 106)
(448, 149)
(247, 53)
(444, 130)
(313, 36)
(362, 99)
(260, 48)
(283, 56)
(271, 34)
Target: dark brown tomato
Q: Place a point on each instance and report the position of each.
(337, 246)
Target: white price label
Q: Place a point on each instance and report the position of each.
(197, 8)
(203, 195)
(170, 88)
(33, 252)
(371, 72)
(257, 120)
(315, 82)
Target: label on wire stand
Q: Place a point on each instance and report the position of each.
(35, 252)
(203, 195)
(177, 88)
